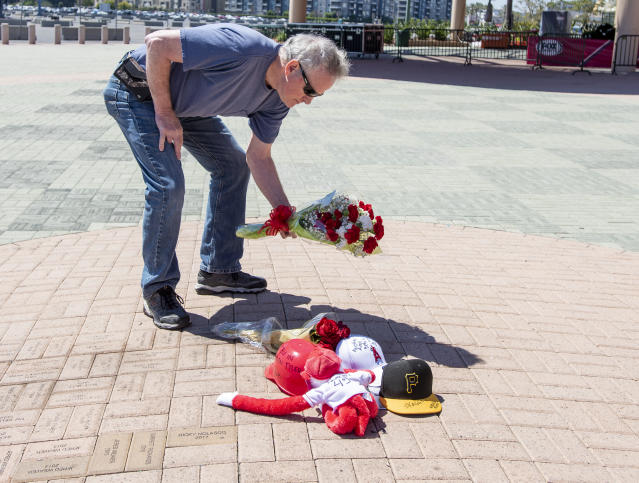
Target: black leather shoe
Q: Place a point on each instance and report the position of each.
(238, 282)
(165, 307)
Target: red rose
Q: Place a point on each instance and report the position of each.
(370, 245)
(324, 217)
(378, 228)
(343, 330)
(330, 332)
(332, 235)
(278, 220)
(367, 207)
(353, 214)
(331, 224)
(352, 234)
(337, 214)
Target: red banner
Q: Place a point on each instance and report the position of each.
(567, 51)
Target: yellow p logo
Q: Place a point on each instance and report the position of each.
(412, 380)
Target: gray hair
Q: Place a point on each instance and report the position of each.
(315, 51)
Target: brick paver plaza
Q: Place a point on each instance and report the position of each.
(510, 264)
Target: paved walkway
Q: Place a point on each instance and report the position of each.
(533, 340)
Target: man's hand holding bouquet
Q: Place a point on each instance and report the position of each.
(336, 220)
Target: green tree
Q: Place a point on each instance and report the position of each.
(474, 9)
(532, 10)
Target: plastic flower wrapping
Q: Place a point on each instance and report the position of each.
(336, 219)
(269, 334)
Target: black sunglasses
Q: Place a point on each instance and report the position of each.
(308, 89)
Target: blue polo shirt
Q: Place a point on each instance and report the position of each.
(223, 73)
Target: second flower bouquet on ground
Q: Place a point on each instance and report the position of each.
(336, 219)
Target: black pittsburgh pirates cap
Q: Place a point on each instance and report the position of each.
(407, 388)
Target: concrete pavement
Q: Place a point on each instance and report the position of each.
(510, 264)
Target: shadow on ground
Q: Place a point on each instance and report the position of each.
(398, 339)
(495, 75)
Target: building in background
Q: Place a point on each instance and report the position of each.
(355, 9)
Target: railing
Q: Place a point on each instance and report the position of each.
(569, 50)
(626, 52)
(437, 42)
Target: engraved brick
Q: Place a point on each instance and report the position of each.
(15, 435)
(34, 395)
(8, 352)
(166, 339)
(147, 451)
(66, 448)
(59, 346)
(200, 382)
(199, 455)
(19, 418)
(278, 471)
(158, 384)
(128, 387)
(84, 421)
(52, 424)
(84, 384)
(140, 340)
(76, 367)
(98, 343)
(32, 349)
(153, 360)
(192, 357)
(251, 379)
(105, 365)
(87, 396)
(51, 469)
(9, 459)
(218, 435)
(185, 412)
(33, 370)
(110, 453)
(220, 355)
(154, 422)
(145, 407)
(9, 395)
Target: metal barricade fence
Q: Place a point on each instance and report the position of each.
(626, 52)
(499, 45)
(468, 44)
(425, 42)
(569, 50)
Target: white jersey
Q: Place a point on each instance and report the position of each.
(339, 389)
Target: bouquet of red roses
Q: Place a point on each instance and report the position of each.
(269, 333)
(336, 219)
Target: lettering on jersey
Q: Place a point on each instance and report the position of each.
(378, 358)
(412, 380)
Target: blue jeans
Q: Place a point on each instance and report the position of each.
(215, 148)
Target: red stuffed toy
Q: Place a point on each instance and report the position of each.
(347, 406)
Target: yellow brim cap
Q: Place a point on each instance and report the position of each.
(429, 405)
